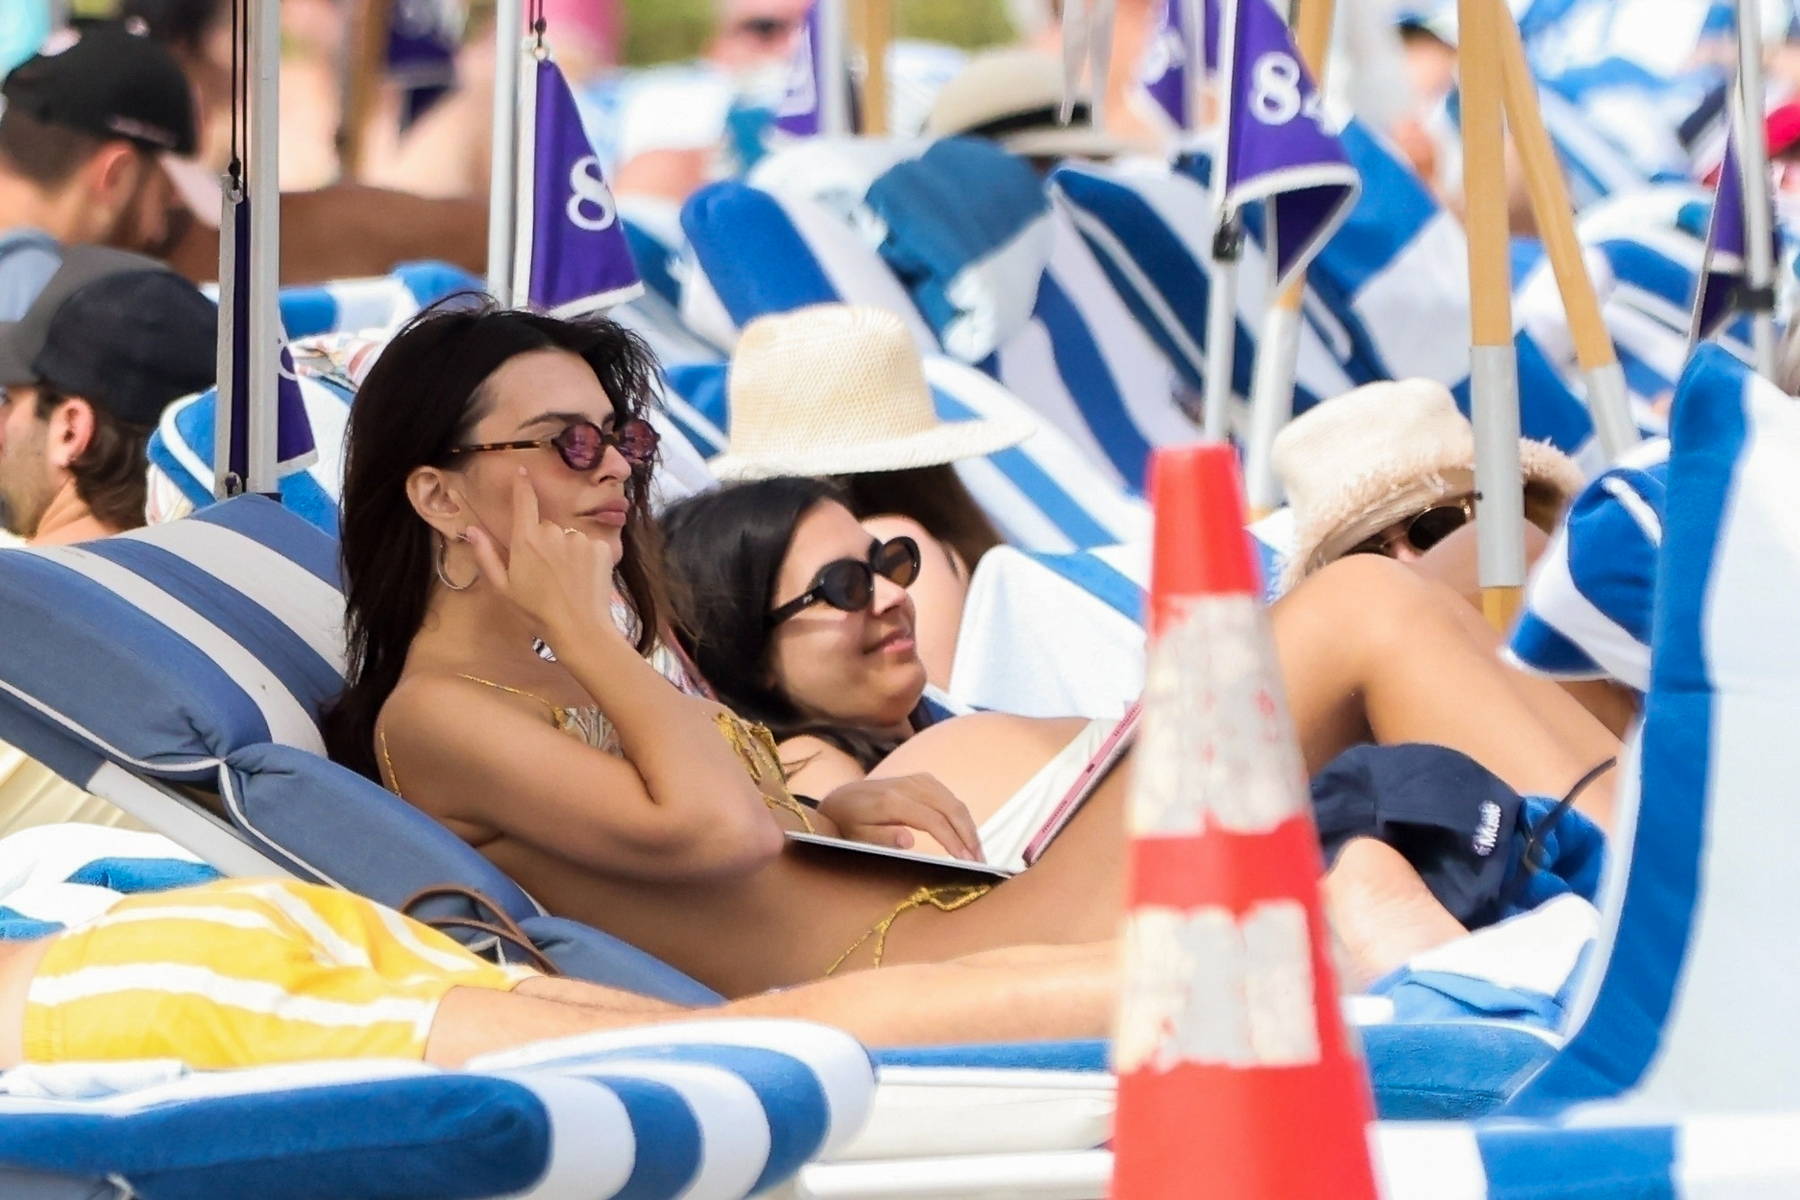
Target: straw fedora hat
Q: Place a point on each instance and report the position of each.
(1364, 460)
(1012, 97)
(840, 390)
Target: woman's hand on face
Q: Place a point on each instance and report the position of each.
(561, 579)
(884, 812)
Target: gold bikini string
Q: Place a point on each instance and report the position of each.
(947, 897)
(755, 748)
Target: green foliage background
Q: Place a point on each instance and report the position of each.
(661, 30)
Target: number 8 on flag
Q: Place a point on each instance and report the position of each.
(1278, 147)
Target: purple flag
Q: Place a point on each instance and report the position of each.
(294, 445)
(422, 40)
(801, 111)
(1724, 271)
(1166, 73)
(572, 254)
(1277, 147)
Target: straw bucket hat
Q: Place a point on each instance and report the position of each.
(1359, 462)
(839, 390)
(1012, 96)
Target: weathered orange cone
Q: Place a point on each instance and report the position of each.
(1236, 1075)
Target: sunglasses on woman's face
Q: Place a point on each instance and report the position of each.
(849, 583)
(1421, 531)
(582, 445)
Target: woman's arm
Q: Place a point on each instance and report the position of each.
(489, 763)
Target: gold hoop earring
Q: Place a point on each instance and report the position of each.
(443, 549)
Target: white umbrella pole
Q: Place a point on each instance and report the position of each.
(265, 243)
(509, 25)
(1753, 156)
(1221, 301)
(834, 70)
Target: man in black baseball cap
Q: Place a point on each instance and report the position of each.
(111, 340)
(94, 132)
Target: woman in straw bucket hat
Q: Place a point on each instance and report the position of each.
(1389, 468)
(838, 391)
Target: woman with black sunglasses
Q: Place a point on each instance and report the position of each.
(495, 502)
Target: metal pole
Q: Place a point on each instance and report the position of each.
(1493, 366)
(509, 26)
(1221, 300)
(265, 244)
(1753, 154)
(834, 70)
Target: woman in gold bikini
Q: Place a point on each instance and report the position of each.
(495, 500)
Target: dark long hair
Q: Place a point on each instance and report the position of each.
(725, 549)
(420, 400)
(934, 497)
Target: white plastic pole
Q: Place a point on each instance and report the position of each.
(1100, 43)
(834, 70)
(1221, 300)
(503, 166)
(1753, 155)
(264, 187)
(225, 482)
(1271, 405)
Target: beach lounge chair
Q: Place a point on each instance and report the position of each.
(1588, 602)
(179, 672)
(1396, 267)
(1049, 493)
(705, 1108)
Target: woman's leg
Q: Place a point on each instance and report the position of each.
(1370, 651)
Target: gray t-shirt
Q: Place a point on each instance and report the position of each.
(28, 258)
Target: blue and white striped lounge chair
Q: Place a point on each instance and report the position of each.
(1043, 493)
(1047, 494)
(706, 1108)
(211, 646)
(1010, 285)
(378, 302)
(721, 1109)
(1644, 253)
(1588, 603)
(1682, 1079)
(1397, 266)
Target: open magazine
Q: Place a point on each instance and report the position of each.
(1045, 805)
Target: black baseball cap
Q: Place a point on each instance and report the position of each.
(110, 80)
(120, 330)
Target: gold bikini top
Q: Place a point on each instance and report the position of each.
(753, 743)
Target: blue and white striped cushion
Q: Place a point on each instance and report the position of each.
(379, 302)
(704, 1110)
(169, 647)
(1049, 493)
(1588, 603)
(1084, 364)
(181, 449)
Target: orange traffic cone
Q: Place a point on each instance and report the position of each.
(1236, 1076)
